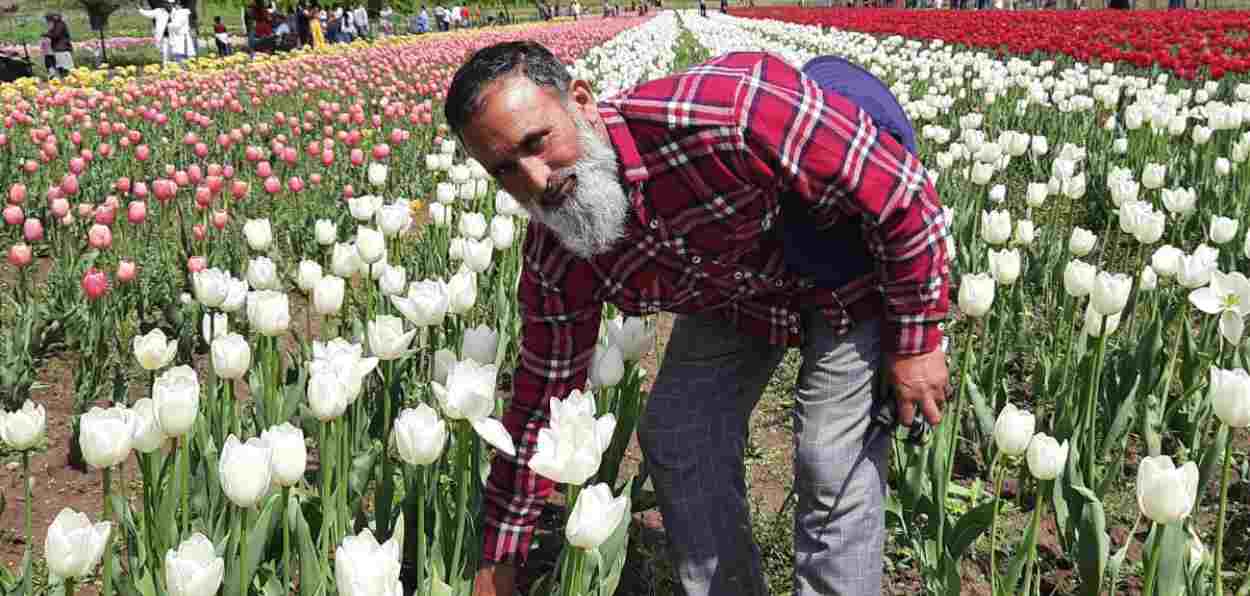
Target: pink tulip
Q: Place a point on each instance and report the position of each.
(272, 185)
(95, 283)
(348, 192)
(75, 137)
(327, 157)
(17, 193)
(142, 153)
(122, 185)
(315, 179)
(227, 171)
(264, 170)
(214, 169)
(13, 215)
(164, 189)
(104, 215)
(59, 207)
(199, 231)
(140, 190)
(203, 197)
(126, 271)
(69, 185)
(136, 212)
(238, 189)
(77, 165)
(201, 150)
(86, 210)
(100, 237)
(397, 136)
(195, 174)
(381, 151)
(196, 264)
(32, 230)
(105, 150)
(357, 157)
(220, 219)
(20, 255)
(31, 166)
(181, 178)
(295, 184)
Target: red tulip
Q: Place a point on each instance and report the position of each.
(196, 264)
(95, 283)
(17, 193)
(126, 271)
(136, 212)
(20, 255)
(104, 215)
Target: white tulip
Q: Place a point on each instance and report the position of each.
(1082, 242)
(1110, 293)
(1039, 146)
(1123, 190)
(502, 232)
(1120, 146)
(1230, 396)
(362, 208)
(1078, 278)
(1147, 280)
(1074, 187)
(326, 234)
(467, 191)
(370, 244)
(290, 455)
(1150, 227)
(1024, 234)
(104, 435)
(1005, 265)
(194, 569)
(477, 254)
(607, 367)
(444, 193)
(419, 435)
(632, 335)
(378, 268)
(258, 234)
(1166, 493)
(213, 326)
(459, 174)
(462, 292)
(440, 215)
(982, 173)
(393, 280)
(362, 567)
(1166, 260)
(236, 295)
(345, 360)
(505, 204)
(377, 174)
(231, 356)
(262, 274)
(1222, 166)
(595, 516)
(22, 429)
(1036, 196)
(245, 470)
(571, 447)
(426, 303)
(995, 227)
(328, 395)
(176, 396)
(472, 225)
(455, 248)
(393, 219)
(308, 275)
(387, 339)
(1228, 296)
(469, 394)
(1223, 229)
(1094, 322)
(443, 361)
(480, 343)
(152, 350)
(146, 435)
(1013, 430)
(210, 286)
(1046, 456)
(998, 193)
(1154, 175)
(1180, 201)
(74, 545)
(976, 294)
(269, 312)
(328, 295)
(1194, 271)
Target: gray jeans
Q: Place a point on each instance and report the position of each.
(694, 431)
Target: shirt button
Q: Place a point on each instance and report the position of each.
(696, 259)
(779, 283)
(655, 223)
(737, 275)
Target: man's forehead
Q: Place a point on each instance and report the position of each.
(512, 108)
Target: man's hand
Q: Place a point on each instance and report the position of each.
(495, 580)
(919, 380)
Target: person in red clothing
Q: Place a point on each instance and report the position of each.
(769, 210)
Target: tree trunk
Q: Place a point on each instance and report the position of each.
(374, 8)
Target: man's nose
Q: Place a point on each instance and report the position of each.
(534, 174)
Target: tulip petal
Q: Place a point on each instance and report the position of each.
(492, 431)
(1206, 300)
(1231, 326)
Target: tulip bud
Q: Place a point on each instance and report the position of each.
(1110, 292)
(1046, 457)
(176, 395)
(258, 233)
(1223, 229)
(387, 339)
(268, 312)
(419, 435)
(370, 244)
(1230, 396)
(1154, 175)
(607, 367)
(1166, 493)
(22, 430)
(1013, 430)
(153, 351)
(1147, 280)
(595, 516)
(262, 274)
(95, 283)
(245, 470)
(462, 291)
(104, 435)
(1082, 242)
(231, 356)
(328, 295)
(1036, 196)
(20, 255)
(32, 229)
(74, 545)
(290, 456)
(194, 569)
(326, 234)
(976, 294)
(995, 227)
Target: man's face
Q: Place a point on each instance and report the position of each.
(552, 155)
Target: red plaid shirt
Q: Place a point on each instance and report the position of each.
(705, 156)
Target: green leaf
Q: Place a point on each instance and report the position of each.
(1093, 543)
(982, 409)
(1211, 458)
(1018, 559)
(1174, 551)
(259, 530)
(1191, 359)
(969, 527)
(311, 571)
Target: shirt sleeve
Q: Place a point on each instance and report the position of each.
(559, 328)
(829, 152)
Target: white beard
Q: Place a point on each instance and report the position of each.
(592, 219)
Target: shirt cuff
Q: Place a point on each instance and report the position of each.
(911, 338)
(505, 543)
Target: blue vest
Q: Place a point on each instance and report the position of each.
(839, 255)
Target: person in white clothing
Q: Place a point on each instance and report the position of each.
(160, 25)
(181, 45)
(360, 18)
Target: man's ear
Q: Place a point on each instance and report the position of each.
(583, 98)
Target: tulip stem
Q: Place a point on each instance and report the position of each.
(419, 491)
(26, 484)
(242, 552)
(327, 518)
(108, 542)
(69, 586)
(183, 448)
(998, 497)
(1030, 562)
(462, 500)
(383, 521)
(1152, 567)
(286, 540)
(1091, 405)
(1219, 528)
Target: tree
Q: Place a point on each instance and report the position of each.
(98, 13)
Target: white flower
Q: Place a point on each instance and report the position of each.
(1194, 270)
(362, 208)
(1230, 396)
(995, 227)
(1222, 166)
(236, 295)
(445, 193)
(210, 286)
(480, 343)
(362, 567)
(1046, 456)
(1147, 280)
(1110, 292)
(290, 455)
(632, 335)
(1036, 195)
(22, 429)
(419, 435)
(231, 356)
(393, 280)
(258, 233)
(308, 275)
(472, 225)
(1223, 229)
(328, 395)
(1154, 175)
(269, 312)
(1228, 296)
(370, 244)
(976, 294)
(1180, 201)
(377, 174)
(215, 325)
(426, 303)
(1078, 278)
(1005, 265)
(443, 361)
(387, 339)
(245, 470)
(505, 204)
(462, 292)
(571, 448)
(1082, 242)
(328, 295)
(152, 350)
(1024, 233)
(74, 545)
(176, 396)
(477, 254)
(607, 367)
(1166, 260)
(1013, 430)
(998, 193)
(469, 394)
(1166, 493)
(502, 232)
(1094, 322)
(105, 435)
(439, 214)
(194, 569)
(394, 218)
(262, 274)
(595, 516)
(326, 234)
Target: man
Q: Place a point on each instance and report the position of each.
(701, 194)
